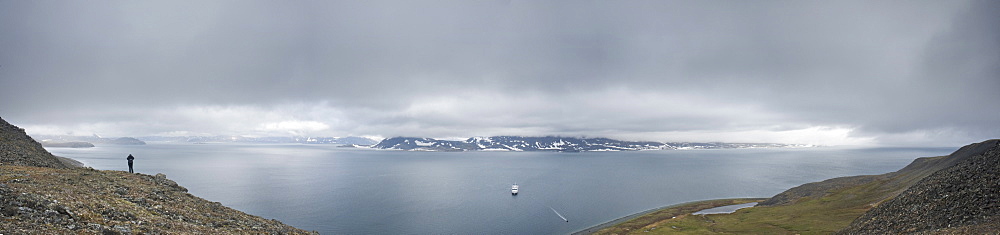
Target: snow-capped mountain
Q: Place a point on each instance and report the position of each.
(424, 144)
(560, 144)
(555, 144)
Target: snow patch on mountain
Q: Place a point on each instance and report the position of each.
(552, 144)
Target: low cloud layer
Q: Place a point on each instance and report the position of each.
(889, 73)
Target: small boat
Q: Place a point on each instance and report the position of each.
(513, 190)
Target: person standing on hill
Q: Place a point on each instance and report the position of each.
(130, 158)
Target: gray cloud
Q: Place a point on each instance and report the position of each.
(848, 72)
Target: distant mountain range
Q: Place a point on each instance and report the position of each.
(66, 140)
(493, 143)
(554, 144)
(84, 141)
(350, 140)
(54, 144)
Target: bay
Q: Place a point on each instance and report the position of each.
(359, 191)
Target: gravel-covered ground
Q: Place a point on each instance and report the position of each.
(964, 199)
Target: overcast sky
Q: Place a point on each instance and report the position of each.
(812, 72)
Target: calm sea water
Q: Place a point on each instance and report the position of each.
(356, 191)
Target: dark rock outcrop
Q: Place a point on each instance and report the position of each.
(962, 198)
(18, 149)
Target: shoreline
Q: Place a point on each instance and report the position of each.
(69, 161)
(599, 227)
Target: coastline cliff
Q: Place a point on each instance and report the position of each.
(42, 194)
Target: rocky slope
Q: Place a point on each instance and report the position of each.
(40, 195)
(17, 149)
(963, 198)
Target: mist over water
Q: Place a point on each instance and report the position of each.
(336, 190)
